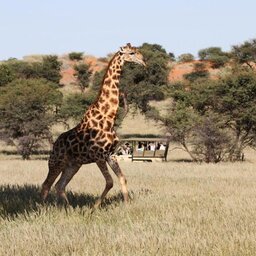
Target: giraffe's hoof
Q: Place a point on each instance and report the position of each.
(97, 204)
(44, 194)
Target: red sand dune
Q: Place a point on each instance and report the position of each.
(176, 73)
(180, 69)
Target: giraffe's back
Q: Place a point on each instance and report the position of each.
(84, 146)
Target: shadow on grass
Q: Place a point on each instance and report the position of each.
(16, 200)
(181, 160)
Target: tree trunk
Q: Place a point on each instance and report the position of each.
(189, 152)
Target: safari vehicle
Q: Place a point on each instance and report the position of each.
(144, 149)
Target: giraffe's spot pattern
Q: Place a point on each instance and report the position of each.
(93, 140)
(94, 137)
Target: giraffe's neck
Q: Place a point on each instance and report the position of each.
(107, 103)
(108, 97)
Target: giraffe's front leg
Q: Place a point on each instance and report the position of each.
(112, 161)
(109, 181)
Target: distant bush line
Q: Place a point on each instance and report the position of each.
(213, 120)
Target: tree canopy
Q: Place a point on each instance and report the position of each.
(142, 84)
(28, 109)
(49, 69)
(215, 120)
(77, 56)
(83, 74)
(186, 57)
(245, 53)
(217, 57)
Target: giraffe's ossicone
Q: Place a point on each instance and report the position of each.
(94, 138)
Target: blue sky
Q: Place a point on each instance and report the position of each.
(100, 27)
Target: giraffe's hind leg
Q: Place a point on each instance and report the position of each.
(54, 171)
(69, 171)
(109, 181)
(122, 179)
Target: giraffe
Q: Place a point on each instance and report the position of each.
(94, 138)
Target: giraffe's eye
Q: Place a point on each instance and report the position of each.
(132, 53)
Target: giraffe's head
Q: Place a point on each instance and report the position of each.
(132, 54)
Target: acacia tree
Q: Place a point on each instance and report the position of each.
(27, 111)
(237, 103)
(186, 57)
(142, 84)
(215, 120)
(83, 74)
(215, 55)
(48, 68)
(77, 56)
(74, 105)
(245, 53)
(6, 74)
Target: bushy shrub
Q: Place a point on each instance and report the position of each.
(186, 57)
(28, 109)
(76, 56)
(215, 55)
(215, 120)
(83, 74)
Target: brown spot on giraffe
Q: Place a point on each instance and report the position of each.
(99, 117)
(107, 81)
(112, 114)
(114, 101)
(110, 137)
(105, 108)
(93, 139)
(114, 92)
(101, 100)
(107, 126)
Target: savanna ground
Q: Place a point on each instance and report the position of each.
(177, 208)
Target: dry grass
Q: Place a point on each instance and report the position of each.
(177, 209)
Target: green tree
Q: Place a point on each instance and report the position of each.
(186, 57)
(74, 106)
(236, 101)
(214, 120)
(50, 68)
(210, 141)
(215, 55)
(6, 74)
(77, 56)
(172, 56)
(27, 111)
(180, 124)
(83, 74)
(97, 80)
(140, 84)
(25, 70)
(245, 53)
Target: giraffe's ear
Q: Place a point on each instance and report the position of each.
(121, 49)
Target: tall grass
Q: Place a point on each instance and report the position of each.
(177, 208)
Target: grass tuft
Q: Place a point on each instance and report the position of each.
(177, 208)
